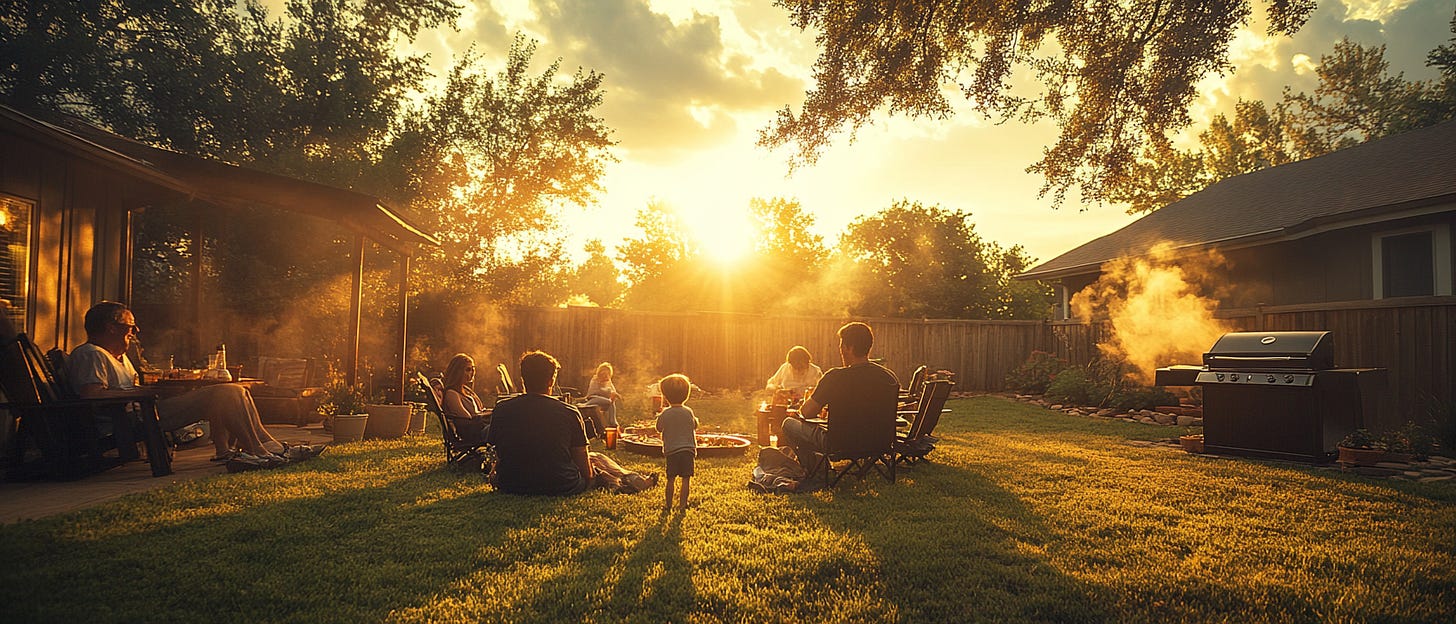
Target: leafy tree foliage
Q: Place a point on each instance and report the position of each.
(1356, 100)
(913, 260)
(1113, 74)
(597, 278)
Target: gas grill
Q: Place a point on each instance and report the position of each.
(1278, 395)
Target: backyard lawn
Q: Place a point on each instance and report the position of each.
(1022, 515)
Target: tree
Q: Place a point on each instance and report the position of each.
(598, 278)
(912, 260)
(1114, 74)
(1356, 100)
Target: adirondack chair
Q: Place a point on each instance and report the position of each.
(911, 394)
(72, 433)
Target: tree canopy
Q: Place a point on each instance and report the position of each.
(1114, 74)
(1356, 100)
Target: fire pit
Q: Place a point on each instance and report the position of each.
(1278, 395)
(646, 442)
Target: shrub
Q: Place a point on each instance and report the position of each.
(342, 398)
(1140, 397)
(1411, 438)
(1035, 375)
(1362, 439)
(1105, 383)
(1072, 386)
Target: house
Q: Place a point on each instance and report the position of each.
(69, 191)
(1371, 222)
(1357, 242)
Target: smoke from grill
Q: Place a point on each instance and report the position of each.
(1156, 307)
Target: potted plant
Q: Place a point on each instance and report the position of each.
(344, 408)
(1192, 443)
(386, 420)
(1361, 448)
(1407, 443)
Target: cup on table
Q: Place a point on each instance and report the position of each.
(611, 437)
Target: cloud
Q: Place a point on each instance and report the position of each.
(671, 85)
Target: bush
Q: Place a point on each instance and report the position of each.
(1035, 375)
(1140, 397)
(1072, 386)
(1362, 439)
(1104, 383)
(1411, 438)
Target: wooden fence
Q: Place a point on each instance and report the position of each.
(1414, 338)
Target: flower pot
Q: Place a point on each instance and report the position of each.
(1360, 456)
(387, 421)
(418, 414)
(349, 427)
(1192, 443)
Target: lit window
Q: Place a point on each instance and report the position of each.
(1412, 263)
(15, 261)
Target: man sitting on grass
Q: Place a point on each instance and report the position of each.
(540, 441)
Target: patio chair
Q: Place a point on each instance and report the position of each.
(863, 435)
(913, 445)
(506, 387)
(459, 453)
(911, 394)
(285, 397)
(72, 433)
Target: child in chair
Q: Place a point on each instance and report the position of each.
(679, 428)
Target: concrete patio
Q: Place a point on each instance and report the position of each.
(38, 499)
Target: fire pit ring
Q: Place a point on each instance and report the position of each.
(709, 444)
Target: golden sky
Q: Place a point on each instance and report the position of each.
(689, 83)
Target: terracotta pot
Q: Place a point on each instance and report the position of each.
(387, 421)
(1360, 456)
(349, 427)
(1191, 443)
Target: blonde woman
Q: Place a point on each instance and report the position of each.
(602, 393)
(461, 404)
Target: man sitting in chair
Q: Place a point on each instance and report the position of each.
(100, 368)
(859, 382)
(540, 441)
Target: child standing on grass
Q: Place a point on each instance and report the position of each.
(679, 430)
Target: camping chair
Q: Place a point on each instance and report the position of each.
(864, 435)
(506, 387)
(917, 382)
(913, 445)
(459, 453)
(67, 429)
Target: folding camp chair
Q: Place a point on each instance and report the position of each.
(863, 435)
(459, 453)
(913, 445)
(506, 387)
(911, 394)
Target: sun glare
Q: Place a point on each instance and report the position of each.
(724, 235)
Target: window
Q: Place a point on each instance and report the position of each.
(15, 260)
(1412, 263)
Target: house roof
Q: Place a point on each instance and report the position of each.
(1399, 173)
(229, 185)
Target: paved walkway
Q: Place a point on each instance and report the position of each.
(32, 500)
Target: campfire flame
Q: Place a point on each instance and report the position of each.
(1154, 305)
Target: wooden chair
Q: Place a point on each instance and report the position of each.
(913, 445)
(285, 396)
(506, 387)
(863, 435)
(68, 430)
(459, 453)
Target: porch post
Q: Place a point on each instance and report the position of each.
(404, 270)
(199, 249)
(351, 366)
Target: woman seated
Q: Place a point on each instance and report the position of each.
(795, 376)
(462, 406)
(602, 393)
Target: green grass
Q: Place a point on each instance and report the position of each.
(1023, 515)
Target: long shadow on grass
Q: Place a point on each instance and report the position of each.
(349, 555)
(953, 546)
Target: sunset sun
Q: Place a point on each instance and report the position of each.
(724, 235)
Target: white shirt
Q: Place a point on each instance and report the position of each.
(89, 364)
(788, 378)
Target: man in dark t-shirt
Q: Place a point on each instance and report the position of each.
(534, 436)
(858, 387)
(540, 442)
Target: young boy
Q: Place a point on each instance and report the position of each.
(679, 428)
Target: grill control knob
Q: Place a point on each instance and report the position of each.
(1220, 376)
(1234, 377)
(1289, 379)
(1271, 379)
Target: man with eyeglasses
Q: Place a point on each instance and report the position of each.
(100, 368)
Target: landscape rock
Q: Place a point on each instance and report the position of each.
(1187, 421)
(1163, 419)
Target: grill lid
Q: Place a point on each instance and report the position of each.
(1308, 350)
